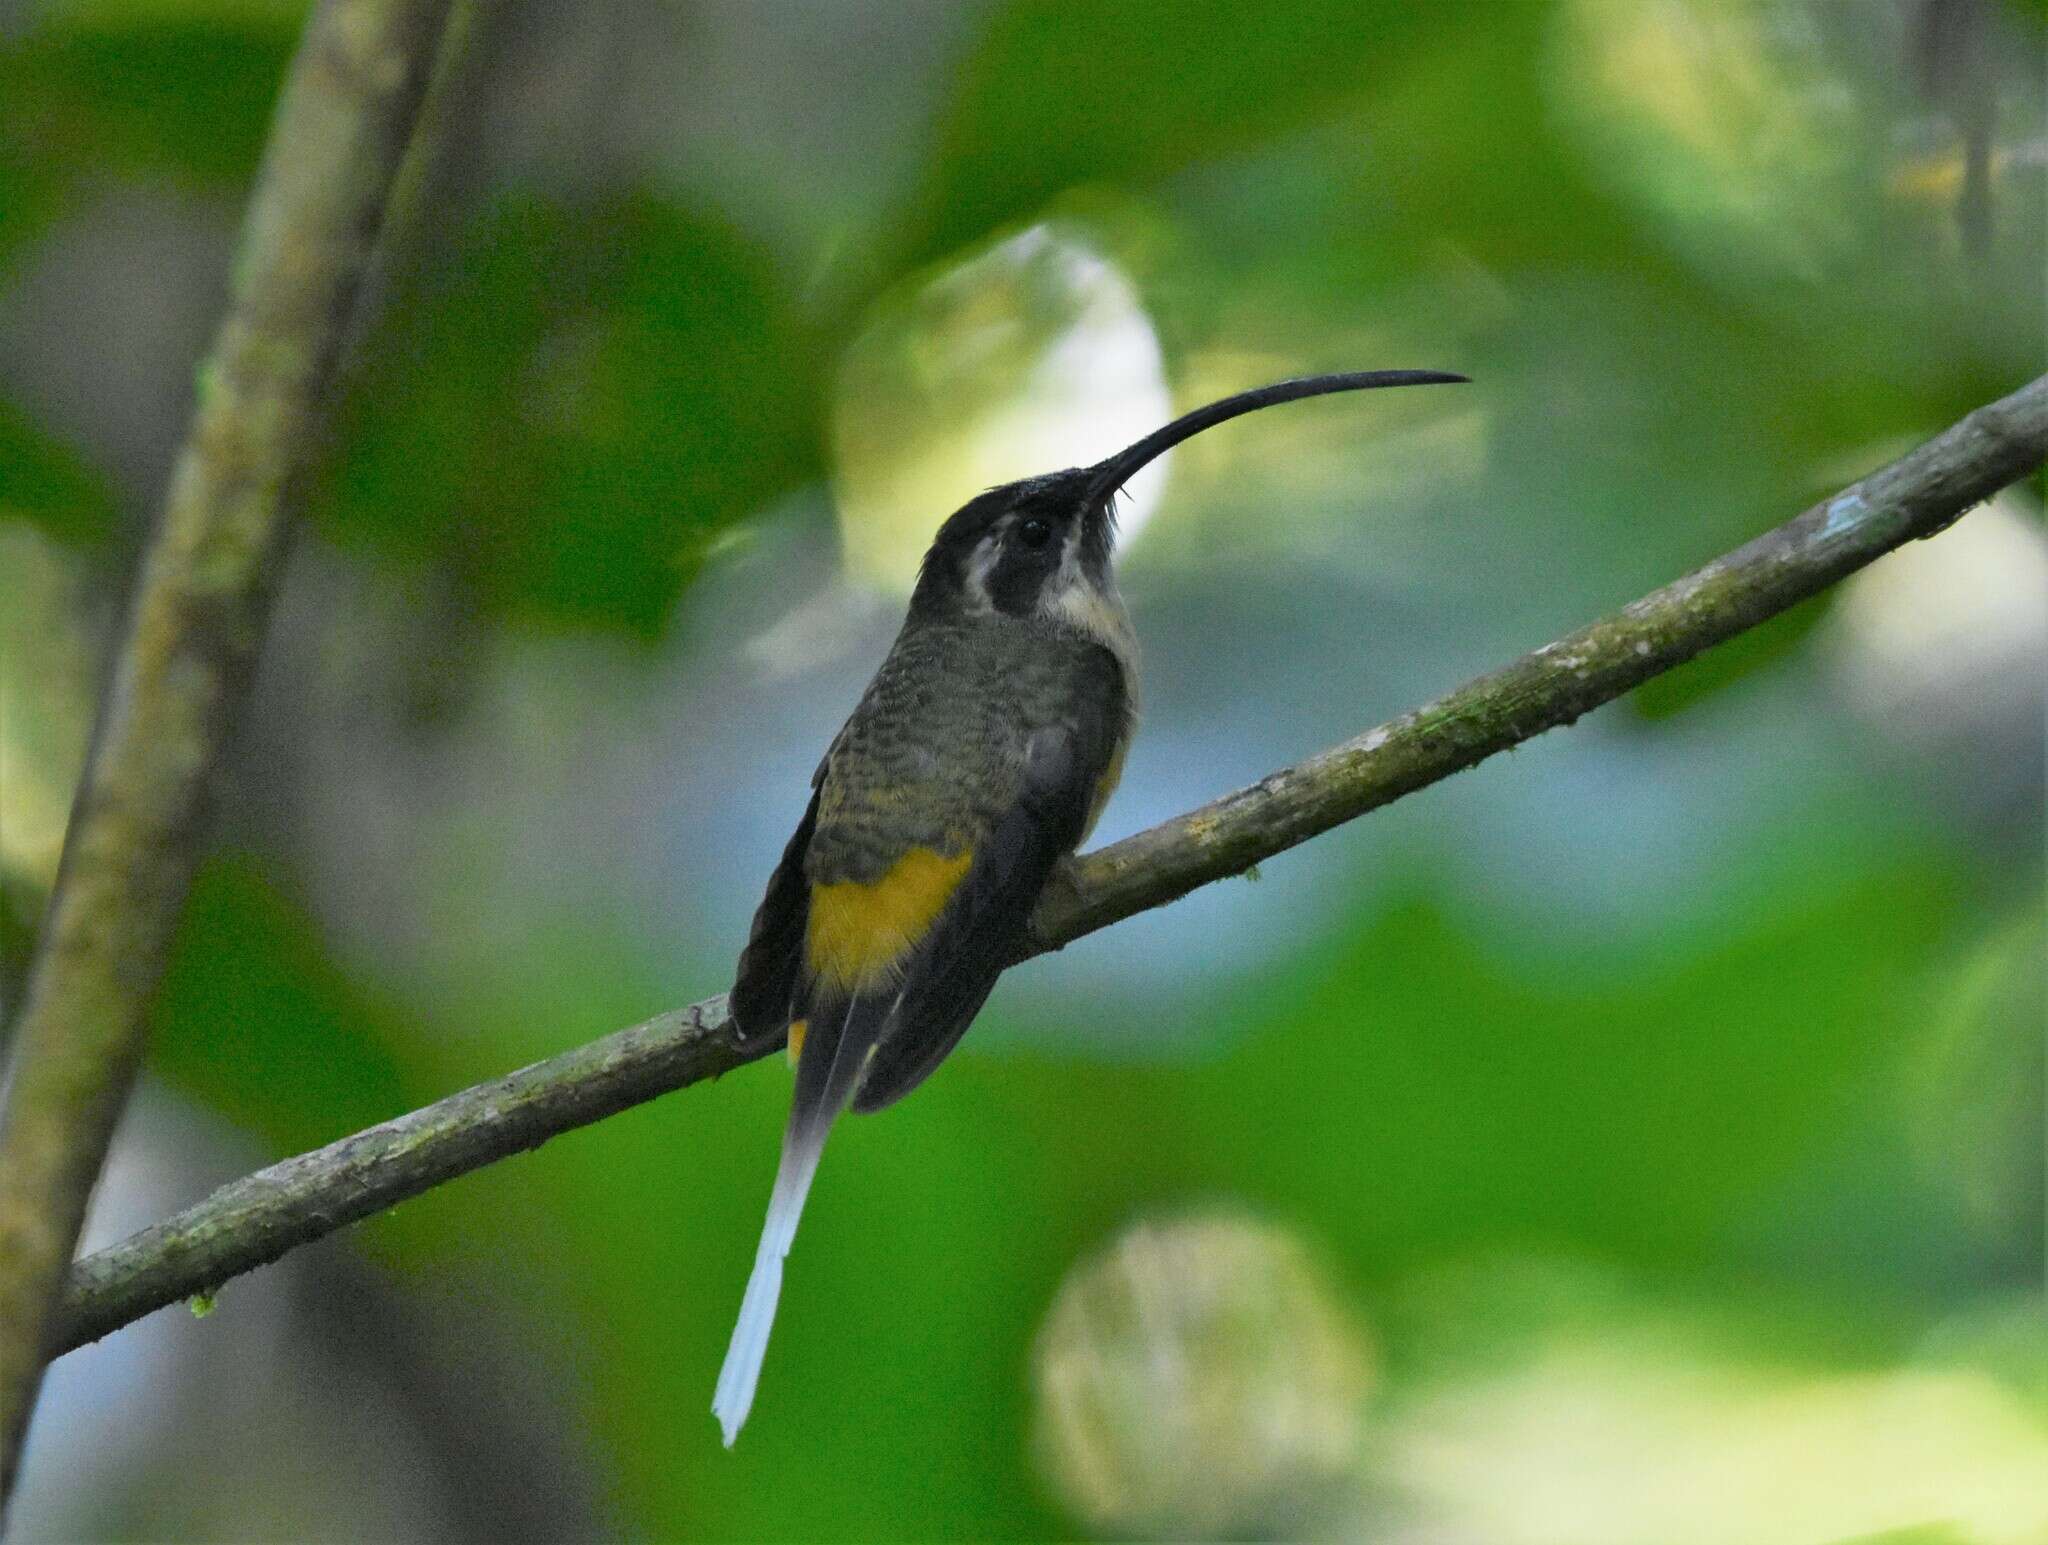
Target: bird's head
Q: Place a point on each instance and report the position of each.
(1041, 546)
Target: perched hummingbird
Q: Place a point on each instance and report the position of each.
(978, 758)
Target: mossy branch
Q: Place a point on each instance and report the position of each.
(255, 1220)
(201, 606)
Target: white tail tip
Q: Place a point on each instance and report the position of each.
(741, 1374)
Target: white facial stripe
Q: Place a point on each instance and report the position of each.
(1062, 579)
(987, 553)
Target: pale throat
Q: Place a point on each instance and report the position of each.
(1074, 601)
(1086, 608)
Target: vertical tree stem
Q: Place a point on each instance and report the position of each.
(342, 124)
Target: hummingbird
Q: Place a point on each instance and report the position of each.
(978, 758)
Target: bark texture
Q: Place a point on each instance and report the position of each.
(198, 618)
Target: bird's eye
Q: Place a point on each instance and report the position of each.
(1034, 533)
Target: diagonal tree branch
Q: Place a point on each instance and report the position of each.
(201, 605)
(253, 1221)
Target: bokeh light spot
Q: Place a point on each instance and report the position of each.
(1034, 355)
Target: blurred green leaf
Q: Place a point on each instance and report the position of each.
(50, 485)
(1131, 90)
(574, 406)
(1423, 1093)
(143, 93)
(31, 194)
(256, 1021)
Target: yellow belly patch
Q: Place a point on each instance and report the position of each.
(860, 933)
(797, 1027)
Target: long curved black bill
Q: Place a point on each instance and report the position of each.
(1117, 470)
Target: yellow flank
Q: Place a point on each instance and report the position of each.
(797, 1027)
(859, 933)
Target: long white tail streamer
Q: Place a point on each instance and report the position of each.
(742, 1370)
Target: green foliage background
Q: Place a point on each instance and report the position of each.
(1704, 262)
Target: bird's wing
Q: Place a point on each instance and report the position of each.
(764, 990)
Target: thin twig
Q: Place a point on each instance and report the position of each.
(253, 1221)
(204, 597)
